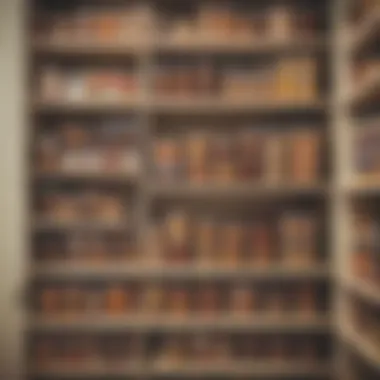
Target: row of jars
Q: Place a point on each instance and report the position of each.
(180, 299)
(175, 350)
(247, 155)
(287, 79)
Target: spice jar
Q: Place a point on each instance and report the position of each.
(361, 261)
(308, 300)
(111, 209)
(222, 163)
(231, 236)
(304, 156)
(172, 353)
(208, 300)
(52, 84)
(273, 158)
(290, 240)
(275, 302)
(118, 350)
(74, 300)
(242, 301)
(44, 352)
(280, 23)
(49, 153)
(203, 349)
(177, 237)
(196, 146)
(167, 159)
(179, 301)
(214, 22)
(260, 244)
(50, 301)
(205, 242)
(250, 152)
(279, 349)
(118, 300)
(154, 300)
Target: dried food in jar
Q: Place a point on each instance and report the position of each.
(172, 353)
(44, 352)
(273, 158)
(119, 350)
(250, 153)
(75, 136)
(154, 299)
(304, 156)
(231, 244)
(167, 159)
(361, 261)
(52, 84)
(205, 241)
(281, 23)
(74, 300)
(242, 302)
(177, 233)
(196, 147)
(308, 300)
(50, 301)
(260, 244)
(214, 22)
(222, 168)
(118, 299)
(208, 299)
(49, 153)
(179, 300)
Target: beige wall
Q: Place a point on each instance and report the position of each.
(12, 186)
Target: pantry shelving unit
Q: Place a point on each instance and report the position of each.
(334, 194)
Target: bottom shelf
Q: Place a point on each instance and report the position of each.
(223, 369)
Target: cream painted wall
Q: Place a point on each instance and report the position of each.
(12, 186)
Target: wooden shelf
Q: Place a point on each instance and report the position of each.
(77, 49)
(268, 369)
(178, 105)
(165, 45)
(126, 271)
(43, 225)
(106, 177)
(141, 323)
(366, 32)
(238, 192)
(93, 107)
(361, 347)
(258, 47)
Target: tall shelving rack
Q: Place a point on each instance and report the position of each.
(334, 195)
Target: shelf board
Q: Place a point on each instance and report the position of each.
(127, 271)
(194, 369)
(361, 347)
(42, 225)
(140, 323)
(183, 105)
(366, 32)
(77, 49)
(364, 290)
(257, 47)
(94, 107)
(164, 45)
(106, 177)
(239, 192)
